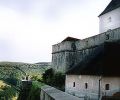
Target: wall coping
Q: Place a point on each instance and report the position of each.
(57, 94)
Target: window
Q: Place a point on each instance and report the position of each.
(107, 36)
(86, 42)
(109, 19)
(107, 86)
(73, 46)
(86, 85)
(73, 84)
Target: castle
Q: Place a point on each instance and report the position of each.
(71, 51)
(92, 65)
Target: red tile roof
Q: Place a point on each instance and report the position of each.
(70, 39)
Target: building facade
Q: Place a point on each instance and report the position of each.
(98, 75)
(71, 51)
(110, 18)
(92, 87)
(92, 64)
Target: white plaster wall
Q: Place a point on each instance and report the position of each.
(80, 81)
(93, 85)
(114, 85)
(105, 25)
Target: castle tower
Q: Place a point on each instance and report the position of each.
(63, 54)
(110, 18)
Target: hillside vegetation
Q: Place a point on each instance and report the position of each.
(11, 74)
(7, 92)
(19, 70)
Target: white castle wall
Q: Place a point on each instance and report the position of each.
(110, 20)
(93, 85)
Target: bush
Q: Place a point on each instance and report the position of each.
(33, 93)
(54, 79)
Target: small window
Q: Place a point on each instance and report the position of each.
(86, 85)
(73, 84)
(73, 46)
(107, 36)
(86, 42)
(109, 19)
(107, 86)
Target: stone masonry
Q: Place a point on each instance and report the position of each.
(69, 53)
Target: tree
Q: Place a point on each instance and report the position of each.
(48, 75)
(55, 79)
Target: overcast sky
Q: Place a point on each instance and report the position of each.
(29, 28)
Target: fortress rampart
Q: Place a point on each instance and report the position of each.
(68, 53)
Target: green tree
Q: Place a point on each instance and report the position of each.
(55, 79)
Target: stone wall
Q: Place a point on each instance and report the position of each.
(50, 93)
(63, 55)
(67, 54)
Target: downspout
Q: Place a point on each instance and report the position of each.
(99, 88)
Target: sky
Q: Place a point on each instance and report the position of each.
(29, 28)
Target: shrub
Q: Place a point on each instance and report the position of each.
(55, 79)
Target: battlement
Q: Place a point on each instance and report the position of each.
(109, 36)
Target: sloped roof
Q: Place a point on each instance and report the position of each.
(111, 6)
(105, 62)
(70, 39)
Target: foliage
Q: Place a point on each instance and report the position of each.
(33, 92)
(12, 72)
(55, 79)
(12, 81)
(7, 91)
(48, 75)
(19, 70)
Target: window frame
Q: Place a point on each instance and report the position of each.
(109, 19)
(73, 84)
(86, 85)
(107, 86)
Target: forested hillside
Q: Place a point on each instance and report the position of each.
(18, 69)
(11, 74)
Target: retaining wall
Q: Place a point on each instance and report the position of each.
(51, 93)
